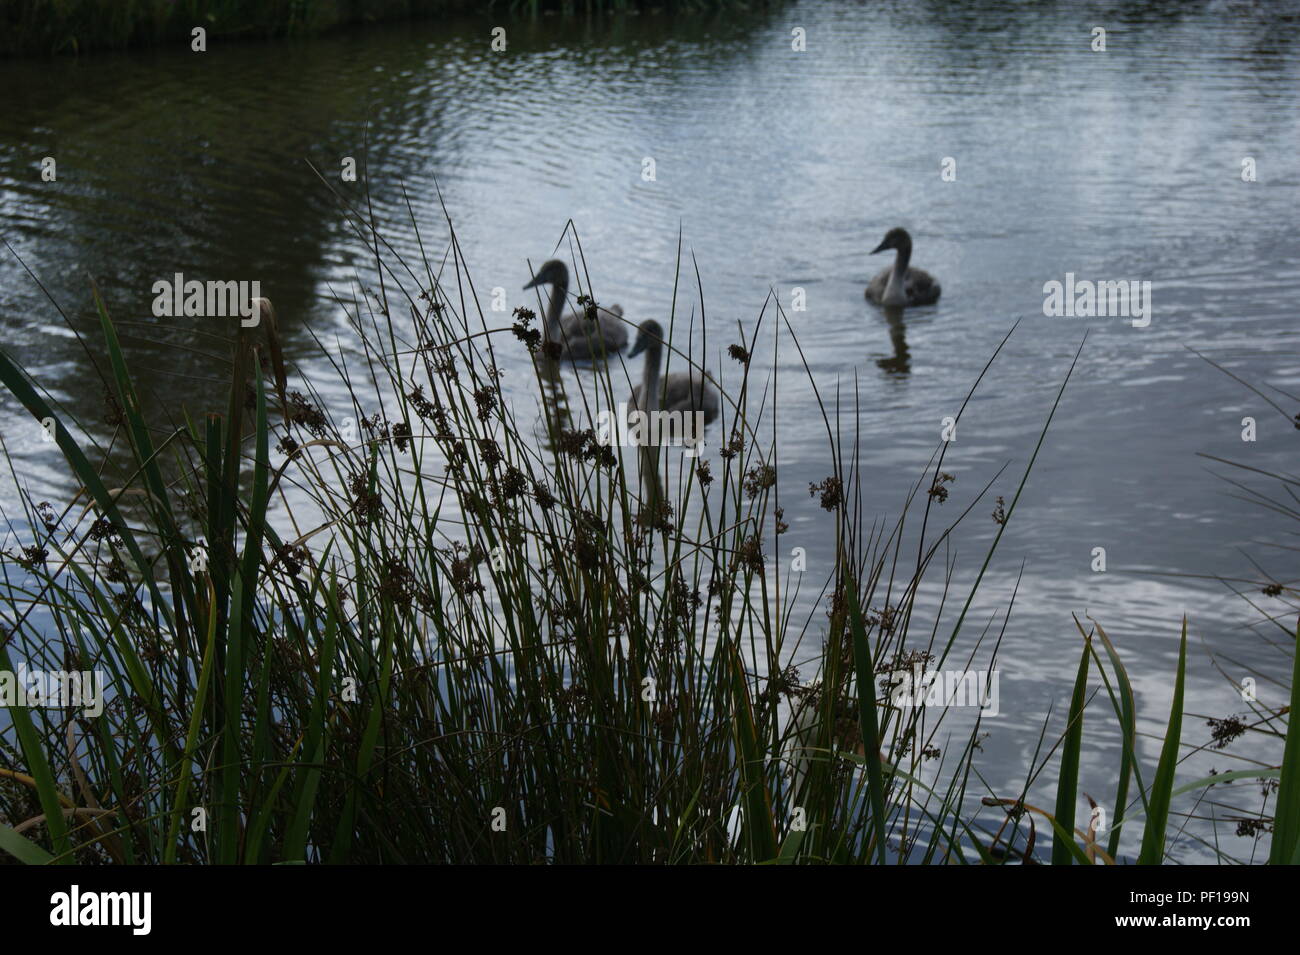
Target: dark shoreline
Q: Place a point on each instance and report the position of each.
(36, 28)
(42, 28)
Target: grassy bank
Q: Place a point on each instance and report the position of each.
(452, 633)
(41, 27)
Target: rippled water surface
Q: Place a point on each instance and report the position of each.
(779, 170)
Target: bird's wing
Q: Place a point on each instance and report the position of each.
(921, 285)
(876, 289)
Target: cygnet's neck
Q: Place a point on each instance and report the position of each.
(559, 292)
(902, 259)
(650, 378)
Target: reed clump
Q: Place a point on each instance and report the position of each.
(422, 623)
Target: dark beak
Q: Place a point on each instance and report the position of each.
(880, 248)
(533, 284)
(637, 347)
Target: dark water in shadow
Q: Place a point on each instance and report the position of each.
(782, 170)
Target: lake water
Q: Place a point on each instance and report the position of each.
(781, 169)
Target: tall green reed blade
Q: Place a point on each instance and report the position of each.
(1127, 714)
(227, 815)
(241, 630)
(187, 764)
(346, 830)
(158, 499)
(22, 848)
(758, 824)
(1153, 836)
(217, 560)
(1064, 836)
(790, 847)
(1286, 819)
(255, 533)
(261, 820)
(381, 678)
(866, 673)
(1067, 788)
(260, 757)
(295, 842)
(39, 768)
(224, 469)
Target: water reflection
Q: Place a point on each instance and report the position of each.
(555, 398)
(773, 170)
(900, 362)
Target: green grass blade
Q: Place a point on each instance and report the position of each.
(1067, 788)
(295, 843)
(759, 826)
(1286, 819)
(1153, 837)
(1128, 727)
(39, 769)
(866, 672)
(23, 849)
(192, 740)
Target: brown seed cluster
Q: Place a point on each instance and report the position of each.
(523, 330)
(937, 490)
(831, 491)
(306, 415)
(585, 446)
(758, 479)
(367, 505)
(1224, 731)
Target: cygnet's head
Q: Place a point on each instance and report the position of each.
(649, 335)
